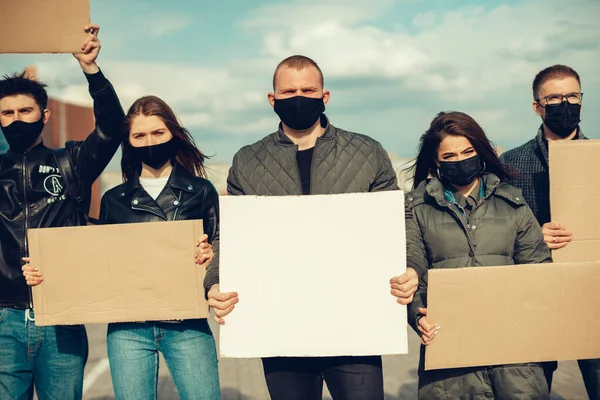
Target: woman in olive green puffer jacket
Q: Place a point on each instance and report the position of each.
(462, 213)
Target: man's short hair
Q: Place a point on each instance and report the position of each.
(18, 83)
(557, 71)
(298, 62)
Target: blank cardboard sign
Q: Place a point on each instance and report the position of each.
(514, 314)
(43, 26)
(574, 194)
(312, 274)
(117, 273)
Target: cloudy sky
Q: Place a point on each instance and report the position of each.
(390, 65)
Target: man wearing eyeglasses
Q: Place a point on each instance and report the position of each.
(557, 100)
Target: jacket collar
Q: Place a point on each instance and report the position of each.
(180, 179)
(329, 133)
(36, 149)
(433, 189)
(169, 199)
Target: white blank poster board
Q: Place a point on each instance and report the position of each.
(312, 274)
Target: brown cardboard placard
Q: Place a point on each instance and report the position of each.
(43, 26)
(574, 194)
(118, 273)
(514, 314)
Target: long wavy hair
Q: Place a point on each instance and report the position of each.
(460, 124)
(188, 154)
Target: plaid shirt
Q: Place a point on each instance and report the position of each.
(530, 163)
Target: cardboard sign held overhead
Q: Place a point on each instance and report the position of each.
(43, 26)
(311, 271)
(514, 314)
(117, 273)
(574, 194)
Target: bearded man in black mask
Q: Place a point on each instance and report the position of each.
(307, 155)
(40, 188)
(558, 101)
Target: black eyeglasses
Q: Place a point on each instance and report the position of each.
(554, 99)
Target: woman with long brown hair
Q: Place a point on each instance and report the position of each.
(164, 180)
(462, 213)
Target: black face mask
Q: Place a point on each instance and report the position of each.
(21, 135)
(562, 118)
(299, 112)
(461, 173)
(155, 156)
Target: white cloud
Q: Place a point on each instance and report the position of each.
(468, 53)
(314, 12)
(163, 24)
(476, 59)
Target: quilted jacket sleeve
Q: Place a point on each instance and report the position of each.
(233, 184)
(386, 178)
(416, 255)
(420, 301)
(530, 247)
(416, 258)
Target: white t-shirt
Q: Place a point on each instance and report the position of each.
(153, 186)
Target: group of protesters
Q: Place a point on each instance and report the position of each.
(468, 207)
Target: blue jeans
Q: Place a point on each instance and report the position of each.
(189, 350)
(50, 357)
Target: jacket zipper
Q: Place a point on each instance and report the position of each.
(26, 207)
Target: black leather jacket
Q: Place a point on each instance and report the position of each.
(33, 192)
(185, 197)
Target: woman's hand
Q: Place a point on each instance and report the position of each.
(205, 253)
(427, 329)
(32, 275)
(221, 303)
(404, 286)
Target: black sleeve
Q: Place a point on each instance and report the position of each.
(211, 228)
(103, 218)
(92, 155)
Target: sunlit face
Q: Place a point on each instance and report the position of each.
(554, 88)
(455, 148)
(290, 82)
(20, 107)
(148, 131)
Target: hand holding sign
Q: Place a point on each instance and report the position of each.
(91, 49)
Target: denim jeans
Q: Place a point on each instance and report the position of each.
(301, 378)
(189, 350)
(50, 357)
